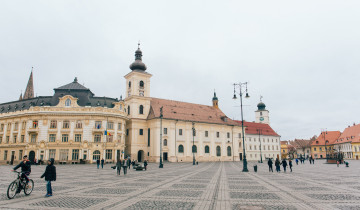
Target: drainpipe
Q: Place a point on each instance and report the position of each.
(175, 140)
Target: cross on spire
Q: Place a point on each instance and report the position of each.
(139, 44)
(261, 98)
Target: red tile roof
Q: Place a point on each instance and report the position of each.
(177, 110)
(252, 128)
(330, 136)
(301, 143)
(350, 134)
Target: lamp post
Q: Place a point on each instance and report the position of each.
(240, 85)
(260, 132)
(161, 116)
(193, 147)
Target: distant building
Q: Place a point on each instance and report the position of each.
(302, 148)
(348, 144)
(324, 144)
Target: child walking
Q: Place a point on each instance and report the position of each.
(50, 175)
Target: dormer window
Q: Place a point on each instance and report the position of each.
(317, 142)
(68, 102)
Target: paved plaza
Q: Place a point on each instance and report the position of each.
(216, 185)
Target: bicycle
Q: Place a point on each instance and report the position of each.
(19, 184)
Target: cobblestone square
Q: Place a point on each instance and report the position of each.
(210, 185)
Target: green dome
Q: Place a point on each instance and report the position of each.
(261, 106)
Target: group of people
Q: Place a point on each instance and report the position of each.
(125, 164)
(49, 174)
(278, 163)
(302, 160)
(98, 162)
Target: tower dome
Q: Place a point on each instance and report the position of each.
(261, 106)
(138, 64)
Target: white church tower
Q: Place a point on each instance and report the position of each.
(261, 114)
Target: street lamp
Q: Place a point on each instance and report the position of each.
(240, 85)
(260, 132)
(161, 116)
(193, 147)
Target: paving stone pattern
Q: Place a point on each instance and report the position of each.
(217, 185)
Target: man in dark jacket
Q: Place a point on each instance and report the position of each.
(125, 165)
(50, 175)
(284, 164)
(98, 163)
(102, 163)
(25, 168)
(290, 165)
(145, 164)
(118, 167)
(128, 162)
(277, 165)
(270, 165)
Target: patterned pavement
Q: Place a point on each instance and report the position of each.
(217, 185)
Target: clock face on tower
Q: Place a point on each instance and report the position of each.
(261, 119)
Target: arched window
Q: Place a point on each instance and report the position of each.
(218, 151)
(228, 151)
(165, 142)
(194, 149)
(207, 149)
(129, 84)
(128, 109)
(68, 102)
(181, 148)
(141, 109)
(96, 155)
(141, 84)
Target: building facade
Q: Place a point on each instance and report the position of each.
(324, 144)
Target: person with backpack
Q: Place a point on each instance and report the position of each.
(50, 175)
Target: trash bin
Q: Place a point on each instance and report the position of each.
(255, 168)
(347, 164)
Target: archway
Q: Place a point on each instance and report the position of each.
(32, 156)
(140, 156)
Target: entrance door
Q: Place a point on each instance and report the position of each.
(118, 155)
(140, 156)
(240, 155)
(165, 156)
(12, 157)
(32, 156)
(357, 157)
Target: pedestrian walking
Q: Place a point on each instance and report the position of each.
(128, 163)
(297, 161)
(277, 165)
(102, 163)
(290, 165)
(270, 165)
(337, 163)
(310, 159)
(118, 167)
(145, 164)
(284, 164)
(50, 175)
(313, 160)
(125, 165)
(98, 163)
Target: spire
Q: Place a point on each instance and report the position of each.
(215, 101)
(138, 64)
(29, 91)
(20, 98)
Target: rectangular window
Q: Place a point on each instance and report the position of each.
(35, 124)
(97, 138)
(16, 126)
(65, 138)
(7, 139)
(53, 124)
(1, 139)
(98, 125)
(165, 130)
(217, 134)
(108, 154)
(77, 137)
(5, 154)
(119, 127)
(2, 128)
(75, 154)
(206, 133)
(20, 154)
(14, 139)
(66, 124)
(22, 140)
(52, 137)
(314, 149)
(141, 132)
(64, 153)
(228, 135)
(78, 124)
(109, 138)
(110, 125)
(180, 132)
(23, 126)
(127, 132)
(9, 126)
(52, 153)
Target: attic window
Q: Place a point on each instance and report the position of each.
(192, 114)
(68, 102)
(98, 103)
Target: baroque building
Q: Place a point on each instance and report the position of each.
(74, 125)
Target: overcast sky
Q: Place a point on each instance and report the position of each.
(303, 57)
